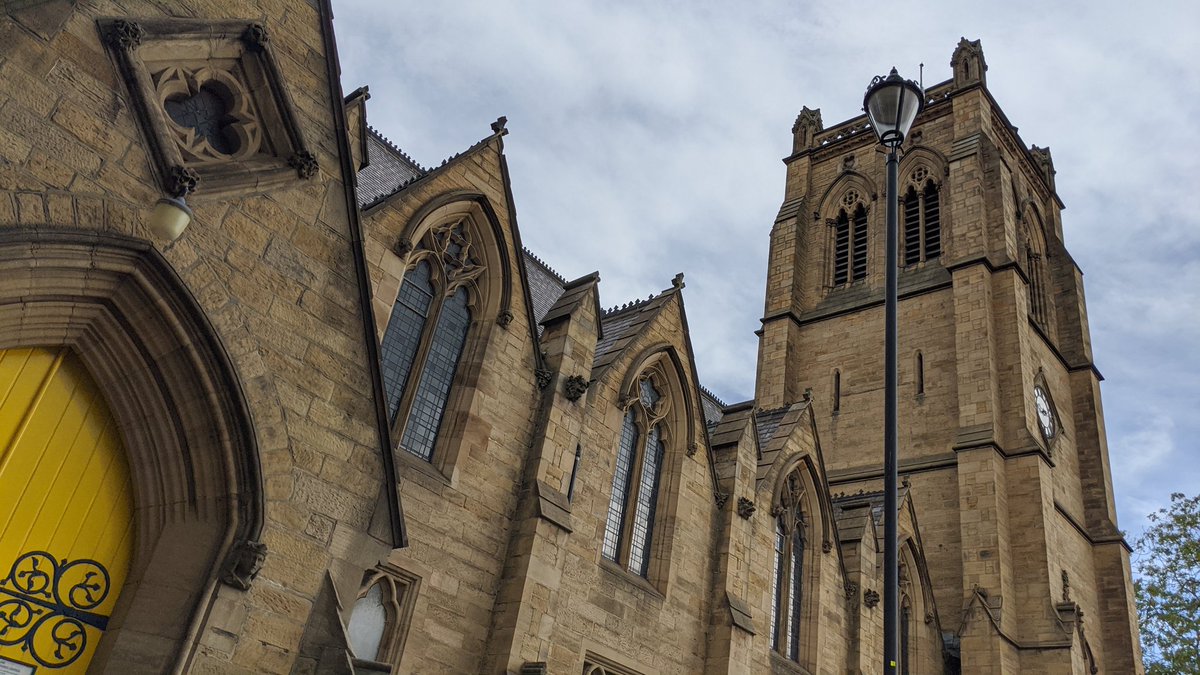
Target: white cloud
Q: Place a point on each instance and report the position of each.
(646, 140)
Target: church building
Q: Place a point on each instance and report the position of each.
(275, 397)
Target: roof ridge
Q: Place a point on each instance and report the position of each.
(545, 266)
(396, 149)
(632, 304)
(713, 396)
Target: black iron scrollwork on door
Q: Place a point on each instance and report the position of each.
(45, 606)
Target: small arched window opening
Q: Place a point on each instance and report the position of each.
(850, 241)
(837, 391)
(426, 333)
(920, 372)
(906, 630)
(629, 527)
(378, 622)
(922, 219)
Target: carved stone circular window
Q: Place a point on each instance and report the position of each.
(212, 116)
(850, 198)
(919, 174)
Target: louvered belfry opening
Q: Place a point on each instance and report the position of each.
(850, 246)
(922, 224)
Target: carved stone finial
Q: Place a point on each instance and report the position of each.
(870, 598)
(305, 164)
(808, 395)
(498, 127)
(804, 131)
(1045, 163)
(182, 181)
(256, 37)
(677, 282)
(745, 508)
(124, 34)
(968, 64)
(505, 318)
(543, 377)
(574, 387)
(243, 563)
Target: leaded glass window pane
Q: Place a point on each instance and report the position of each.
(643, 523)
(430, 401)
(649, 394)
(368, 621)
(620, 492)
(796, 594)
(777, 583)
(206, 113)
(403, 334)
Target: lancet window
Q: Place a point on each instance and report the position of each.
(629, 528)
(787, 581)
(425, 335)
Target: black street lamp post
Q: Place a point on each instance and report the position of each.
(891, 103)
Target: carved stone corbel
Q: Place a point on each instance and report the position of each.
(574, 387)
(125, 35)
(745, 508)
(243, 563)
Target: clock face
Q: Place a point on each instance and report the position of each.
(1045, 415)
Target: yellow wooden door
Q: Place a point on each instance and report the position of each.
(66, 512)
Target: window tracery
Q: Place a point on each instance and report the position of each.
(629, 527)
(427, 331)
(1035, 267)
(787, 588)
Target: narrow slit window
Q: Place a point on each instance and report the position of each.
(920, 374)
(837, 391)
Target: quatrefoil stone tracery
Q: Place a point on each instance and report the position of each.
(850, 198)
(211, 116)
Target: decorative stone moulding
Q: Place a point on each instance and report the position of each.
(211, 103)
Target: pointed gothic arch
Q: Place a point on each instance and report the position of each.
(178, 403)
(457, 285)
(670, 421)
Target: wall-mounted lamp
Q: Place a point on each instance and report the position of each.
(170, 218)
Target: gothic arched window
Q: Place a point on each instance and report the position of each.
(906, 618)
(1035, 267)
(629, 528)
(426, 333)
(922, 219)
(787, 582)
(850, 241)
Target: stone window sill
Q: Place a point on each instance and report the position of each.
(629, 577)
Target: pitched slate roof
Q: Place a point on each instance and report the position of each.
(545, 285)
(714, 408)
(620, 325)
(387, 169)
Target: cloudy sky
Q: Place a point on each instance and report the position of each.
(659, 126)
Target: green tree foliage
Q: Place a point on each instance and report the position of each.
(1168, 588)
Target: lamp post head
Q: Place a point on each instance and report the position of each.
(892, 103)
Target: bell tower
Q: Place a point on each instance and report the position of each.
(1001, 426)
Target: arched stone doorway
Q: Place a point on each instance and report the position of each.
(193, 463)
